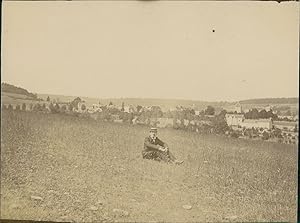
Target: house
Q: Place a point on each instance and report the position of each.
(268, 108)
(238, 120)
(129, 109)
(96, 107)
(111, 106)
(238, 108)
(284, 125)
(197, 112)
(234, 119)
(132, 109)
(186, 122)
(257, 123)
(126, 109)
(192, 122)
(144, 109)
(179, 108)
(135, 120)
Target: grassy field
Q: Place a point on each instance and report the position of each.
(62, 168)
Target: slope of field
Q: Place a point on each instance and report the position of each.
(17, 99)
(62, 168)
(9, 88)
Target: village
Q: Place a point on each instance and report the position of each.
(236, 122)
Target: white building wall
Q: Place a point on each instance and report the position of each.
(126, 109)
(256, 123)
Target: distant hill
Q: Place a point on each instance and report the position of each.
(271, 101)
(172, 103)
(8, 88)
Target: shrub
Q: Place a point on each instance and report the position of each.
(63, 108)
(54, 108)
(126, 117)
(57, 107)
(37, 107)
(276, 133)
(70, 107)
(234, 135)
(75, 102)
(138, 108)
(219, 125)
(23, 107)
(209, 110)
(265, 136)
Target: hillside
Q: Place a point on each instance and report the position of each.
(271, 101)
(9, 88)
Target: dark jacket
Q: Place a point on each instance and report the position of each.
(153, 145)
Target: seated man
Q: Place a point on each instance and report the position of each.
(156, 149)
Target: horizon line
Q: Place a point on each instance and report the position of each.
(155, 98)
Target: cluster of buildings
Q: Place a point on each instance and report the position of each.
(239, 121)
(84, 107)
(288, 129)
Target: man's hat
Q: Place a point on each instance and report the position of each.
(153, 130)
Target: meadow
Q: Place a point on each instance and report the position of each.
(62, 168)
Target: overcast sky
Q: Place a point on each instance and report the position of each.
(190, 50)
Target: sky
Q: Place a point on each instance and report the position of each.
(211, 51)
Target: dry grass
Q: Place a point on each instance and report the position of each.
(74, 164)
